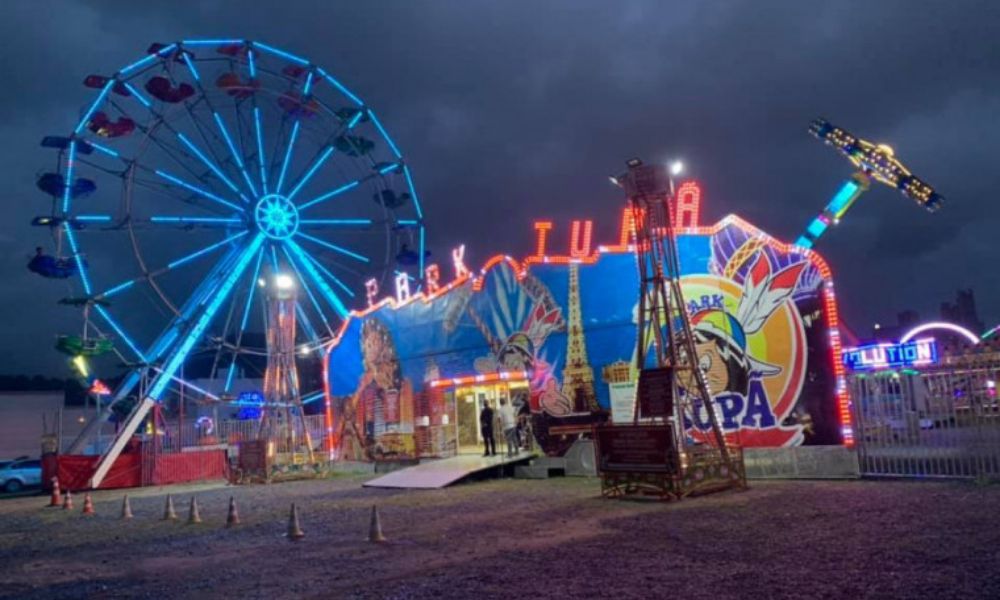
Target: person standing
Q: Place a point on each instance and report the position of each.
(486, 428)
(508, 421)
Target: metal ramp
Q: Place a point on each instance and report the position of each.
(435, 474)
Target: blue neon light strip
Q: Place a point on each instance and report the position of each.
(413, 192)
(328, 195)
(408, 221)
(332, 277)
(306, 323)
(250, 294)
(142, 62)
(817, 227)
(312, 170)
(328, 293)
(253, 64)
(308, 85)
(76, 257)
(232, 149)
(378, 124)
(274, 260)
(190, 66)
(388, 168)
(178, 357)
(210, 165)
(841, 201)
(260, 150)
(198, 190)
(118, 288)
(288, 157)
(422, 252)
(211, 42)
(121, 333)
(92, 218)
(246, 317)
(312, 398)
(354, 120)
(305, 285)
(335, 248)
(339, 86)
(218, 220)
(103, 149)
(348, 222)
(281, 53)
(68, 181)
(804, 242)
(138, 96)
(205, 250)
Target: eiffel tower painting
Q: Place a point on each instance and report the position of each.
(578, 375)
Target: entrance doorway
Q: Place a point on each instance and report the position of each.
(469, 402)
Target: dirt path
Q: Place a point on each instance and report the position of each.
(553, 538)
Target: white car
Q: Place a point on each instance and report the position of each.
(18, 474)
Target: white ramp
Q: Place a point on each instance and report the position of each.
(435, 474)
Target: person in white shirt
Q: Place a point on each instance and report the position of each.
(509, 423)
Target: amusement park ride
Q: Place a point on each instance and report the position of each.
(218, 164)
(873, 161)
(656, 455)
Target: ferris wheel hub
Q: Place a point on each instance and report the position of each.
(277, 217)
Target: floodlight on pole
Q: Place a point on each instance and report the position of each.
(676, 168)
(284, 282)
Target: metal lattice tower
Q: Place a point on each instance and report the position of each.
(283, 416)
(578, 375)
(663, 320)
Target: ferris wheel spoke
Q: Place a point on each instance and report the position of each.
(121, 287)
(310, 172)
(328, 294)
(245, 319)
(334, 247)
(204, 159)
(190, 222)
(331, 194)
(197, 190)
(309, 292)
(204, 319)
(332, 277)
(336, 222)
(288, 156)
(121, 332)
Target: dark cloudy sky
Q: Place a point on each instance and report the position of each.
(510, 111)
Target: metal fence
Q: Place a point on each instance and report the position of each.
(942, 422)
(175, 437)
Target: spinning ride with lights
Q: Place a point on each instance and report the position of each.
(199, 170)
(873, 162)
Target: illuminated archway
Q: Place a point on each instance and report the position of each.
(973, 338)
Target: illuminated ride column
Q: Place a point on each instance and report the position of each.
(873, 162)
(283, 415)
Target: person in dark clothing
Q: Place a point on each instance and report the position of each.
(486, 427)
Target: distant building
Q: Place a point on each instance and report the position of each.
(25, 415)
(963, 311)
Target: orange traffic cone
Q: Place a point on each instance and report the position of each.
(56, 499)
(193, 515)
(126, 508)
(68, 501)
(294, 530)
(375, 528)
(233, 518)
(88, 505)
(169, 514)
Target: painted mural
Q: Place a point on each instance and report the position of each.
(760, 310)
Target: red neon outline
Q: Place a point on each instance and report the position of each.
(829, 303)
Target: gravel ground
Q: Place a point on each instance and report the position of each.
(555, 538)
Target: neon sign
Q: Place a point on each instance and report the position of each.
(883, 356)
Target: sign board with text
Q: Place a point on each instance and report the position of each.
(644, 448)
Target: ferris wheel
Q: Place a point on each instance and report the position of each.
(197, 175)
